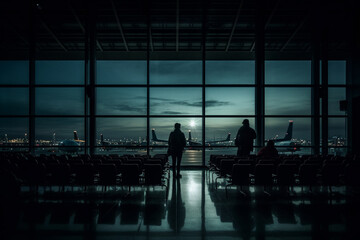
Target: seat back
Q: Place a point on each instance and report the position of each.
(153, 174)
(240, 174)
(263, 174)
(130, 174)
(226, 166)
(107, 174)
(308, 174)
(286, 174)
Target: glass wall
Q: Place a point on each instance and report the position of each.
(288, 105)
(14, 105)
(129, 111)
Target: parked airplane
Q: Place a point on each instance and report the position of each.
(208, 143)
(189, 140)
(286, 144)
(102, 142)
(154, 138)
(71, 146)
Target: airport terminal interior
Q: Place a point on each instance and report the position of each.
(91, 90)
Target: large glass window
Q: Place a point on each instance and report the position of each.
(337, 72)
(121, 101)
(161, 128)
(337, 132)
(230, 101)
(175, 101)
(290, 134)
(121, 111)
(60, 72)
(121, 72)
(287, 101)
(14, 72)
(336, 95)
(230, 72)
(287, 72)
(222, 131)
(121, 132)
(14, 101)
(175, 72)
(14, 131)
(52, 131)
(59, 101)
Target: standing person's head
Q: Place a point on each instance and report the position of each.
(270, 144)
(246, 122)
(177, 126)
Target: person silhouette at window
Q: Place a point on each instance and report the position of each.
(177, 143)
(245, 139)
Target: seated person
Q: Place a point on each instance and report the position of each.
(269, 151)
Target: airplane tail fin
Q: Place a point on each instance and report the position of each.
(288, 134)
(153, 134)
(76, 136)
(189, 136)
(228, 137)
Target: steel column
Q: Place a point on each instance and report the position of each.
(259, 73)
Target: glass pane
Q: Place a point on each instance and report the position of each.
(230, 101)
(13, 131)
(335, 96)
(287, 72)
(59, 101)
(14, 72)
(230, 72)
(175, 101)
(54, 131)
(121, 132)
(175, 72)
(287, 101)
(14, 101)
(121, 101)
(337, 72)
(337, 132)
(121, 72)
(162, 127)
(59, 72)
(191, 127)
(289, 132)
(222, 131)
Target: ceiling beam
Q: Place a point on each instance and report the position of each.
(234, 25)
(53, 35)
(293, 34)
(267, 22)
(119, 25)
(82, 26)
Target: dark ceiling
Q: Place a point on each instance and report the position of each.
(177, 25)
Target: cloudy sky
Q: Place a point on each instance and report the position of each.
(165, 100)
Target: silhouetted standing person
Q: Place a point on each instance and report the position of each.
(245, 139)
(177, 143)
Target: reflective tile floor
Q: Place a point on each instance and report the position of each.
(193, 209)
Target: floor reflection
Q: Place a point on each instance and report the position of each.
(202, 212)
(176, 210)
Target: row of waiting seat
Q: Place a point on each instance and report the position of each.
(285, 172)
(83, 171)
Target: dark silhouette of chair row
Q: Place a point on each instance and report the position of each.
(287, 172)
(87, 171)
